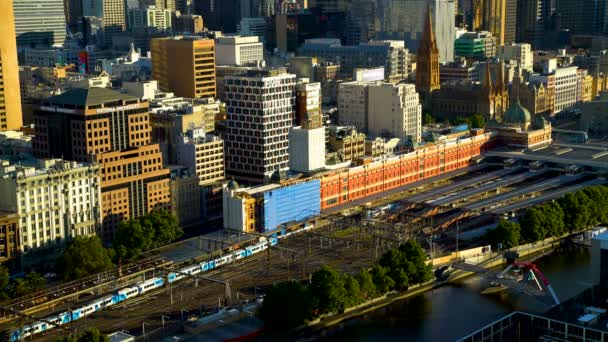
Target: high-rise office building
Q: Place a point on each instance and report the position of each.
(330, 6)
(113, 130)
(533, 21)
(405, 20)
(237, 50)
(260, 107)
(427, 61)
(149, 17)
(39, 22)
(73, 13)
(11, 117)
(184, 65)
(491, 16)
(510, 21)
(113, 17)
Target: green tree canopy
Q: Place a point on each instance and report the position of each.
(20, 287)
(83, 256)
(327, 289)
(352, 289)
(35, 281)
(91, 335)
(382, 280)
(286, 306)
(506, 232)
(4, 277)
(154, 229)
(428, 119)
(366, 284)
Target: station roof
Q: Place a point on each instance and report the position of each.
(568, 154)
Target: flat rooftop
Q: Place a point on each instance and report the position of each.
(568, 154)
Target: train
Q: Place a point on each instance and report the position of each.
(151, 284)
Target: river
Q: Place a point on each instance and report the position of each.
(450, 312)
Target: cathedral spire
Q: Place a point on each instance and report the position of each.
(487, 87)
(427, 69)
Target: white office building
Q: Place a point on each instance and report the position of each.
(306, 149)
(149, 17)
(260, 107)
(519, 52)
(56, 200)
(238, 50)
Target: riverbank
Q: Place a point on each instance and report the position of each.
(317, 328)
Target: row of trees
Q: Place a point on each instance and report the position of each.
(91, 335)
(474, 121)
(289, 304)
(86, 255)
(570, 213)
(32, 282)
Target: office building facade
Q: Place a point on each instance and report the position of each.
(259, 108)
(39, 23)
(112, 130)
(11, 117)
(56, 200)
(184, 65)
(237, 50)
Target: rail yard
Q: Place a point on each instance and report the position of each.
(435, 212)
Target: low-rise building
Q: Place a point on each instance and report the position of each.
(459, 70)
(267, 207)
(520, 52)
(9, 238)
(346, 142)
(521, 130)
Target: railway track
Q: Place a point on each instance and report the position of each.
(244, 277)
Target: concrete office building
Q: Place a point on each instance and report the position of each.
(381, 109)
(253, 27)
(10, 95)
(185, 196)
(203, 154)
(150, 17)
(113, 130)
(519, 52)
(56, 200)
(260, 107)
(308, 105)
(352, 104)
(392, 55)
(39, 23)
(475, 45)
(394, 111)
(493, 16)
(184, 65)
(562, 84)
(237, 50)
(187, 23)
(406, 19)
(306, 149)
(113, 18)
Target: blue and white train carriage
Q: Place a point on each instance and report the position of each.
(143, 287)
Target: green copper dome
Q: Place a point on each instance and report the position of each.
(232, 185)
(517, 114)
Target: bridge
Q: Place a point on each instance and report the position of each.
(531, 280)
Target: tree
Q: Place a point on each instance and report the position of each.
(327, 289)
(154, 229)
(91, 335)
(382, 281)
(35, 281)
(4, 277)
(83, 256)
(352, 289)
(419, 270)
(506, 233)
(286, 306)
(20, 288)
(366, 284)
(477, 121)
(428, 119)
(532, 229)
(577, 209)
